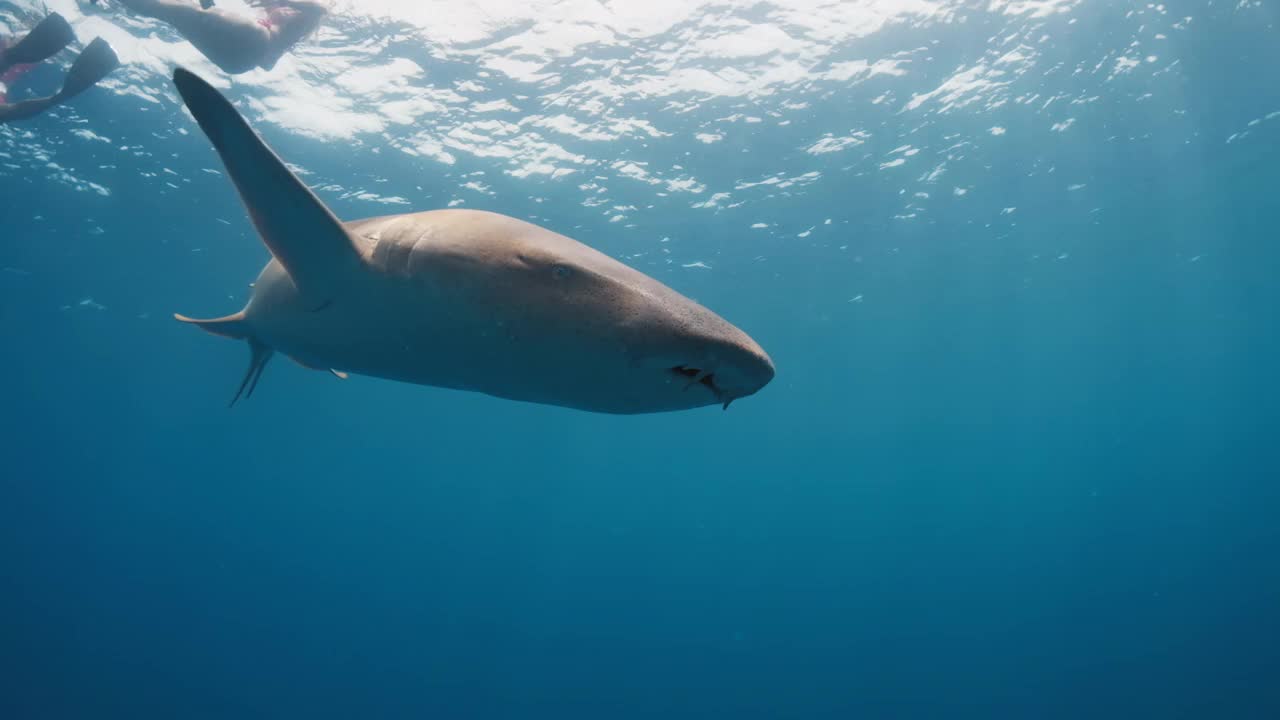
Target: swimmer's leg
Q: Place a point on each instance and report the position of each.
(233, 43)
(25, 109)
(50, 35)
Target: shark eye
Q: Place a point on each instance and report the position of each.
(560, 272)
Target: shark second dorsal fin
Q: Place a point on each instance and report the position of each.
(307, 239)
(235, 327)
(259, 354)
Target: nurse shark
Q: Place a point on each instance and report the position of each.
(462, 299)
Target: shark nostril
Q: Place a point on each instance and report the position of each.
(697, 376)
(686, 371)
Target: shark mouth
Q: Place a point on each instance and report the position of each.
(698, 376)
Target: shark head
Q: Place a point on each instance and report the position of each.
(651, 348)
(660, 349)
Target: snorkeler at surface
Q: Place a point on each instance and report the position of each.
(233, 43)
(45, 40)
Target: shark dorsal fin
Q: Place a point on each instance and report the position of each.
(307, 239)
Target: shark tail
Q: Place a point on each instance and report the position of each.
(235, 327)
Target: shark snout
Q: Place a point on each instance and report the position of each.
(728, 371)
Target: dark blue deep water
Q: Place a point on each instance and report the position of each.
(1016, 263)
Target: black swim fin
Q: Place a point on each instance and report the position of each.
(45, 40)
(94, 63)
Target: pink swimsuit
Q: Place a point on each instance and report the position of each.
(273, 17)
(11, 75)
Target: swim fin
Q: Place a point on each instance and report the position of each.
(94, 63)
(45, 40)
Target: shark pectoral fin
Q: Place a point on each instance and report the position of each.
(308, 240)
(232, 326)
(259, 354)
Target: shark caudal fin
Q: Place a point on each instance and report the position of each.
(234, 327)
(308, 240)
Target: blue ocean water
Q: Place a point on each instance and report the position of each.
(1015, 262)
